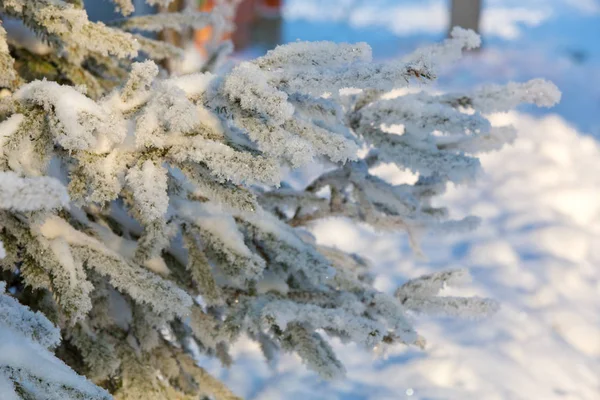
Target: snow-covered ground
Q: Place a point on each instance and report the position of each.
(538, 249)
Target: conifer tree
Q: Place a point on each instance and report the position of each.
(148, 218)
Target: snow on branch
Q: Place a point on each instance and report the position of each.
(175, 20)
(77, 122)
(432, 132)
(328, 67)
(223, 242)
(125, 7)
(364, 331)
(448, 51)
(139, 283)
(310, 54)
(9, 77)
(430, 285)
(495, 98)
(27, 367)
(420, 295)
(148, 184)
(314, 351)
(454, 306)
(30, 194)
(67, 26)
(32, 325)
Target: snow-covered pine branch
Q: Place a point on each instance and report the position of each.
(181, 233)
(28, 369)
(158, 22)
(420, 295)
(90, 53)
(9, 77)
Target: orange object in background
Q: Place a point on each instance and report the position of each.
(204, 35)
(247, 13)
(269, 8)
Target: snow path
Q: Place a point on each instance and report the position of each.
(537, 252)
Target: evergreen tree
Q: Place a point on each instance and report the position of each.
(147, 216)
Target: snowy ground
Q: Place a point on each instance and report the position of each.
(537, 251)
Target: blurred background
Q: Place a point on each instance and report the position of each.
(538, 249)
(553, 39)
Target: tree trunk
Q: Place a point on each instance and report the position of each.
(465, 13)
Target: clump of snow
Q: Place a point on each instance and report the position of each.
(81, 123)
(493, 98)
(25, 340)
(8, 128)
(149, 186)
(29, 194)
(470, 39)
